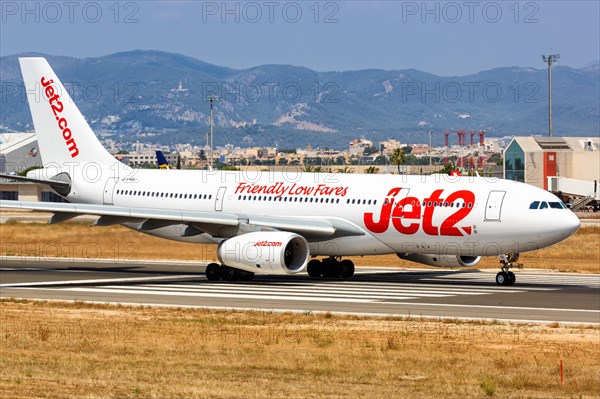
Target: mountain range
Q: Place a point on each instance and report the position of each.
(163, 97)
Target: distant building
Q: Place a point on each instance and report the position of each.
(357, 146)
(146, 158)
(19, 152)
(386, 147)
(540, 160)
(420, 150)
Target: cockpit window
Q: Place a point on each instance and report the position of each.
(546, 205)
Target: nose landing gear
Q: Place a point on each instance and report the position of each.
(506, 277)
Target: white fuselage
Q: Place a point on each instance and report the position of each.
(437, 214)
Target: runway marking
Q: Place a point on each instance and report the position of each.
(307, 291)
(262, 292)
(94, 281)
(320, 289)
(310, 298)
(229, 295)
(592, 281)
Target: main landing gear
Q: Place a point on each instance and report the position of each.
(216, 272)
(330, 267)
(506, 277)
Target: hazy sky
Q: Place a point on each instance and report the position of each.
(446, 38)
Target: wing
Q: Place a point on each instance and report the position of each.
(217, 224)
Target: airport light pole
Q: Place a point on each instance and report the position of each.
(211, 99)
(430, 131)
(550, 59)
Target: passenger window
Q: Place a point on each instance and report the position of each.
(534, 205)
(544, 205)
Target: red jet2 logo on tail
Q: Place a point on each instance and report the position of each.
(57, 108)
(409, 210)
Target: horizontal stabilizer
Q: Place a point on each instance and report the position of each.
(49, 182)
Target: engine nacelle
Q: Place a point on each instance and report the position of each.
(265, 252)
(442, 260)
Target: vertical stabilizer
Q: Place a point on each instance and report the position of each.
(63, 134)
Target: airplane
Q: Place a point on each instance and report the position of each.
(161, 161)
(282, 222)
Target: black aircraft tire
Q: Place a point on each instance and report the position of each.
(229, 274)
(502, 278)
(314, 268)
(511, 278)
(213, 272)
(347, 268)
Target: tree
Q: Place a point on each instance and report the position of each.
(448, 168)
(496, 158)
(380, 160)
(407, 149)
(344, 169)
(397, 157)
(371, 149)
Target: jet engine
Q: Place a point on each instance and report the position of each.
(265, 252)
(442, 260)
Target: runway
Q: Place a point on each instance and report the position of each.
(468, 294)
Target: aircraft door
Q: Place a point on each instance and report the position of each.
(219, 199)
(493, 207)
(109, 189)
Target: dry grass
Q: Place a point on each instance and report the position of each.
(579, 253)
(54, 350)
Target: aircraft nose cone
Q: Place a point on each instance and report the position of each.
(571, 224)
